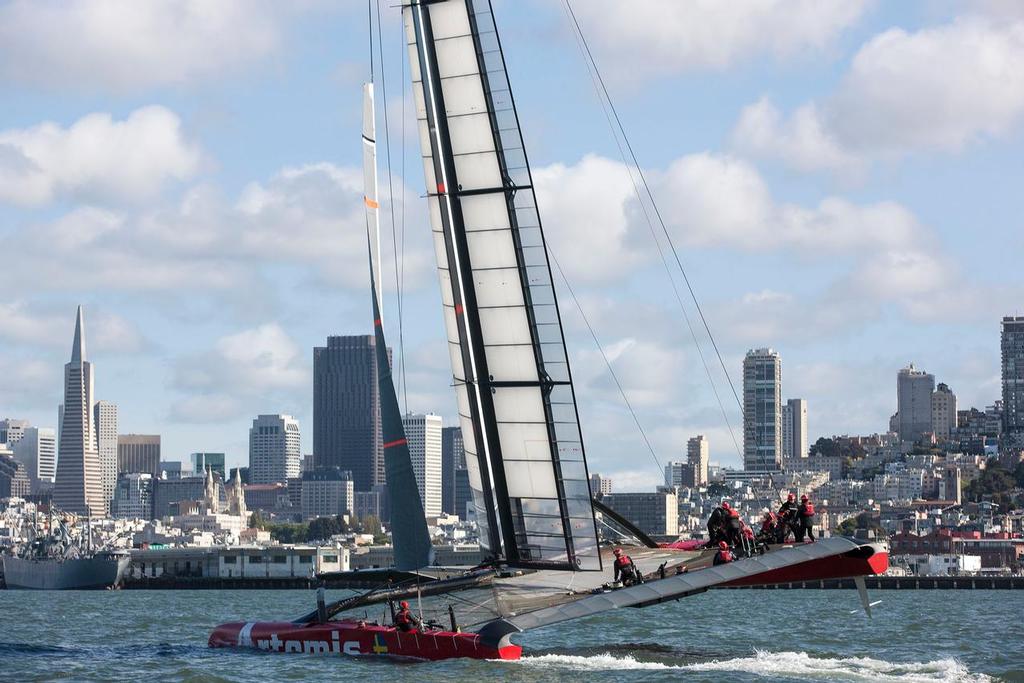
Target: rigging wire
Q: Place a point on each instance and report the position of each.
(391, 203)
(401, 264)
(607, 362)
(617, 130)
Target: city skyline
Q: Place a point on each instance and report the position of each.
(214, 263)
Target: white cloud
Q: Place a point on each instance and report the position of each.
(96, 158)
(940, 88)
(647, 38)
(106, 332)
(125, 45)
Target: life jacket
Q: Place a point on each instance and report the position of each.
(748, 533)
(623, 561)
(403, 617)
(808, 509)
(724, 556)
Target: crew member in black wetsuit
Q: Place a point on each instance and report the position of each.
(805, 519)
(787, 518)
(723, 556)
(716, 524)
(625, 569)
(405, 620)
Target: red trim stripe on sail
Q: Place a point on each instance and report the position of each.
(396, 442)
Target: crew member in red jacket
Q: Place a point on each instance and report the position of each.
(405, 620)
(724, 555)
(625, 569)
(805, 519)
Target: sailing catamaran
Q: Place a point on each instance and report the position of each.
(517, 406)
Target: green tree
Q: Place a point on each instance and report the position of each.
(370, 524)
(323, 528)
(256, 521)
(717, 489)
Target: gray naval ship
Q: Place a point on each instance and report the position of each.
(60, 560)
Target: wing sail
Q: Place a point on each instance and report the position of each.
(517, 407)
(409, 534)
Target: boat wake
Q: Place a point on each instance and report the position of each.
(776, 665)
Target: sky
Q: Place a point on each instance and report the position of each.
(841, 179)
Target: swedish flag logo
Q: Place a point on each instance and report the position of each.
(379, 648)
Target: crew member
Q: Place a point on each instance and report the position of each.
(805, 519)
(787, 518)
(769, 524)
(723, 556)
(734, 528)
(716, 524)
(625, 569)
(405, 620)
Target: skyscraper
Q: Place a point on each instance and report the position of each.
(679, 475)
(914, 403)
(794, 430)
(599, 484)
(346, 409)
(12, 430)
(943, 411)
(698, 455)
(453, 457)
(423, 434)
(202, 461)
(79, 480)
(37, 451)
(274, 449)
(138, 453)
(1012, 348)
(105, 417)
(762, 411)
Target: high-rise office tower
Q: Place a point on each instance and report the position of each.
(943, 411)
(423, 434)
(1012, 348)
(599, 484)
(203, 461)
(79, 479)
(12, 430)
(914, 403)
(137, 453)
(37, 451)
(346, 409)
(678, 475)
(453, 457)
(794, 430)
(698, 456)
(105, 417)
(762, 411)
(274, 449)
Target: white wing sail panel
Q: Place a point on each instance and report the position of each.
(516, 402)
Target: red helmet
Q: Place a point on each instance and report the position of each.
(725, 505)
(404, 604)
(723, 545)
(803, 498)
(791, 497)
(617, 551)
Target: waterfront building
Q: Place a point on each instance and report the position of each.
(327, 492)
(762, 411)
(133, 496)
(656, 514)
(1012, 356)
(105, 417)
(453, 457)
(943, 412)
(599, 484)
(914, 403)
(203, 461)
(698, 455)
(78, 485)
(138, 453)
(794, 432)
(36, 450)
(423, 435)
(274, 449)
(346, 409)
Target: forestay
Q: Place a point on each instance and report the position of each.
(517, 408)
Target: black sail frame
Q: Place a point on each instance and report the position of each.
(520, 531)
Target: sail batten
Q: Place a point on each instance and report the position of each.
(512, 380)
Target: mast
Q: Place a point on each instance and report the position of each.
(409, 534)
(517, 407)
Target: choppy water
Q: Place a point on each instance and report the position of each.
(721, 635)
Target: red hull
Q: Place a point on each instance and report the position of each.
(355, 639)
(865, 561)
